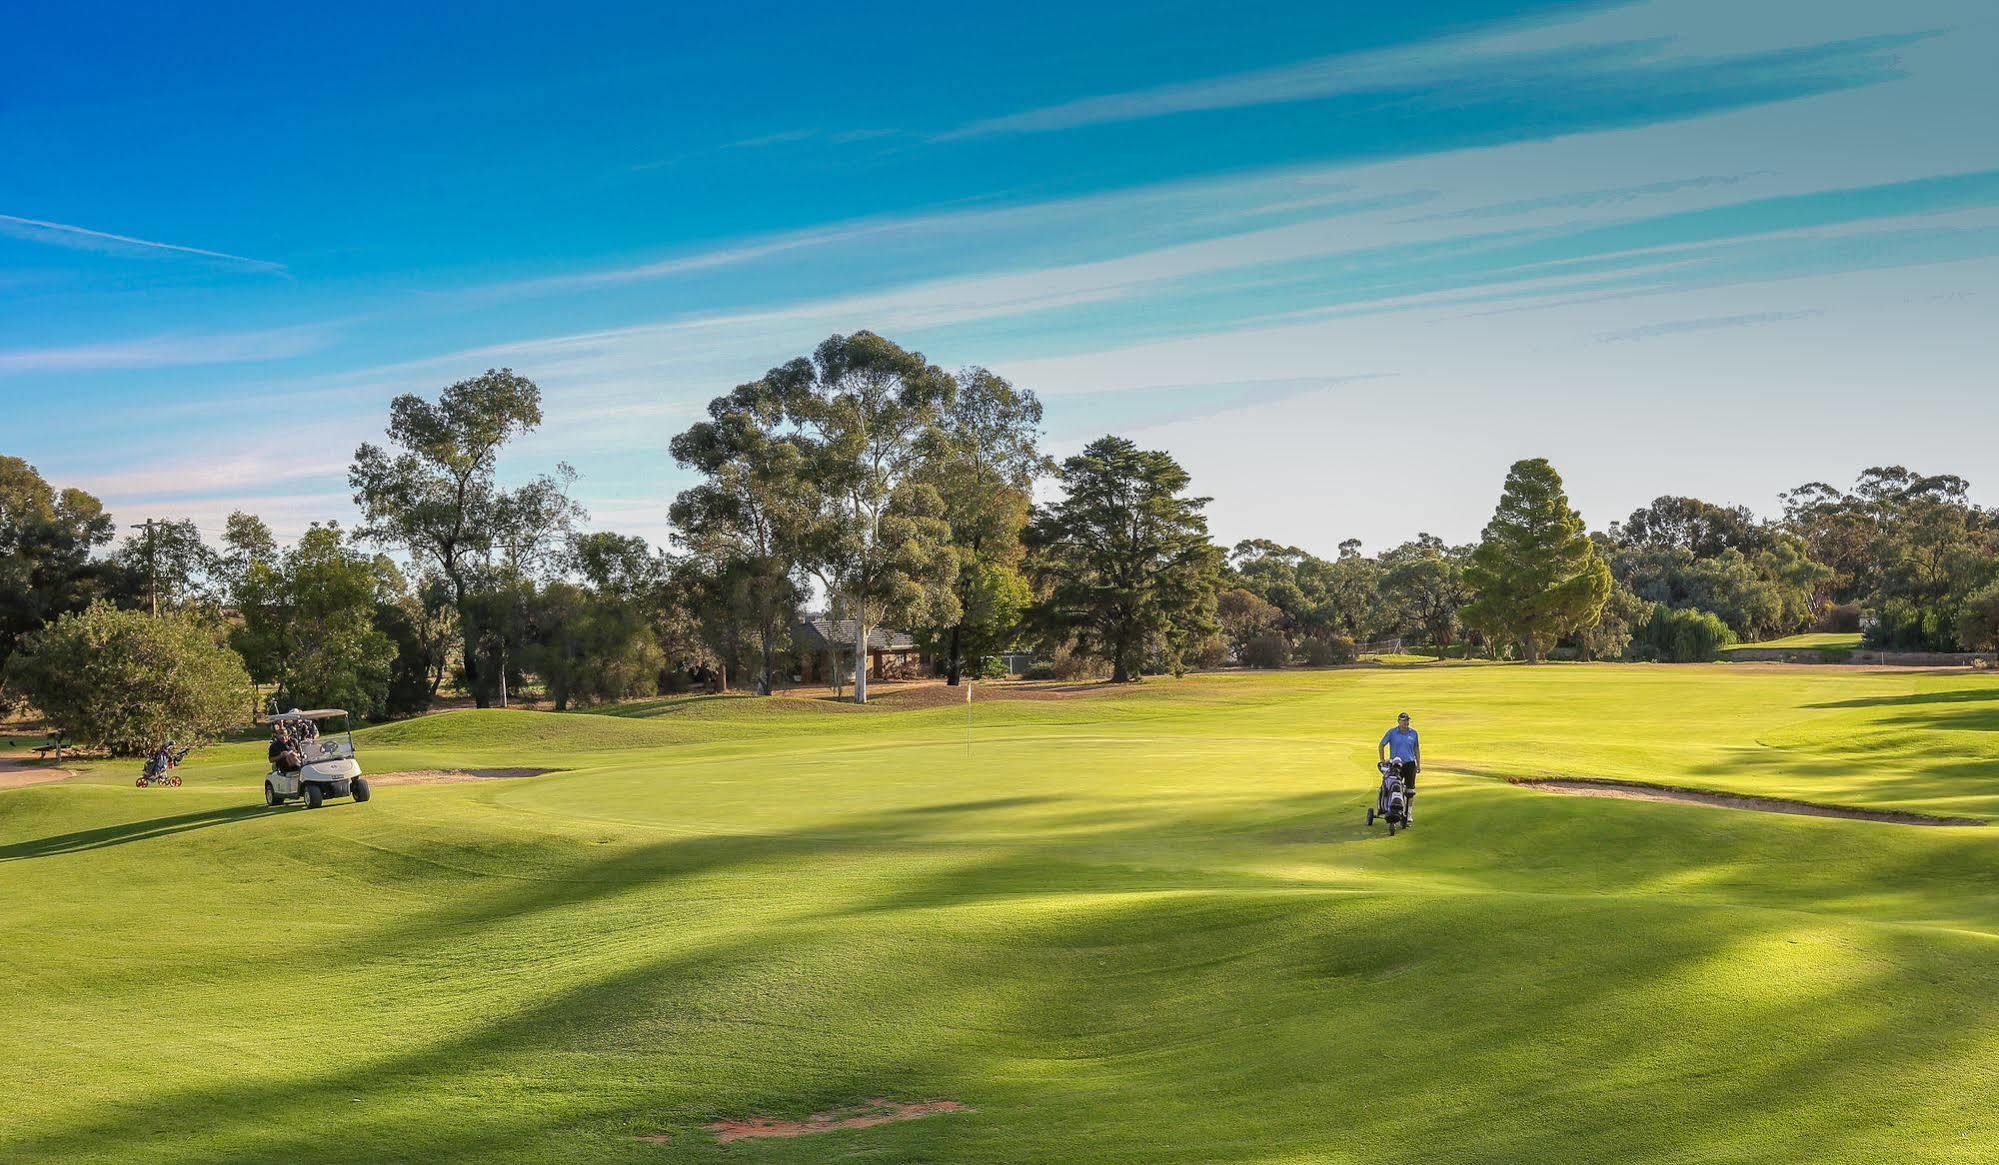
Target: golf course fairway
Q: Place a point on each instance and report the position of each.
(1136, 925)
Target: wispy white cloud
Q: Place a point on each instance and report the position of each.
(84, 238)
(266, 460)
(774, 139)
(1606, 44)
(1707, 324)
(169, 351)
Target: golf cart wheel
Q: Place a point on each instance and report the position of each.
(360, 789)
(271, 797)
(313, 797)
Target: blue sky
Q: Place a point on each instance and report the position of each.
(1346, 261)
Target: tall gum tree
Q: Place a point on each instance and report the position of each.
(741, 527)
(434, 496)
(863, 411)
(984, 460)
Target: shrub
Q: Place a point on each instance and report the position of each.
(1978, 622)
(991, 667)
(1039, 670)
(1907, 626)
(1683, 635)
(127, 681)
(1326, 650)
(1269, 649)
(1210, 653)
(1075, 665)
(1843, 618)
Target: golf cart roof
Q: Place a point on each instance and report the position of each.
(315, 714)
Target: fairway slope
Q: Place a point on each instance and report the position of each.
(1150, 926)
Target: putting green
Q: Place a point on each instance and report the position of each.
(1145, 926)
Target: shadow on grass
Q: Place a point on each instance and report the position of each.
(1954, 696)
(1154, 1007)
(123, 833)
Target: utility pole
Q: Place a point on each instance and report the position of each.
(152, 568)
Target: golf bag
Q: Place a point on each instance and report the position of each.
(160, 767)
(1391, 802)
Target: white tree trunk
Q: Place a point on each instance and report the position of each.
(860, 661)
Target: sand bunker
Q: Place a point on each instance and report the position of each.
(866, 1115)
(451, 776)
(19, 774)
(1633, 791)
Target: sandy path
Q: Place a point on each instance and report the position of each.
(1633, 791)
(451, 776)
(866, 1115)
(19, 774)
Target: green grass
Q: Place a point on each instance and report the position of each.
(1816, 640)
(1145, 927)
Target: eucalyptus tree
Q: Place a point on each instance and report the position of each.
(984, 458)
(863, 413)
(742, 528)
(434, 496)
(47, 540)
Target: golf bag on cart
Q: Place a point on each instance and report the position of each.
(160, 767)
(1391, 802)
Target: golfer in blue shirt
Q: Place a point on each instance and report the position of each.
(1399, 745)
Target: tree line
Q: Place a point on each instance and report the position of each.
(894, 493)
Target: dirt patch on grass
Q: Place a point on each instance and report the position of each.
(453, 776)
(937, 693)
(19, 774)
(1636, 791)
(865, 1115)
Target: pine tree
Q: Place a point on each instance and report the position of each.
(1536, 573)
(1124, 558)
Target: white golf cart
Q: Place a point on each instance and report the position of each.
(327, 766)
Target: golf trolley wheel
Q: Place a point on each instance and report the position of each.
(140, 783)
(1391, 827)
(173, 782)
(1370, 817)
(313, 797)
(271, 797)
(359, 789)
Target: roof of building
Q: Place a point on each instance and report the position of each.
(829, 634)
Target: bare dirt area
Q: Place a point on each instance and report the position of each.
(938, 694)
(452, 776)
(1633, 791)
(866, 1115)
(19, 774)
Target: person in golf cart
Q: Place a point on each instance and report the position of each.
(284, 755)
(1400, 747)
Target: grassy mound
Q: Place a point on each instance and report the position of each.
(1143, 926)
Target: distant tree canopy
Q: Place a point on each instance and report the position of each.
(1123, 561)
(130, 681)
(1536, 573)
(865, 479)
